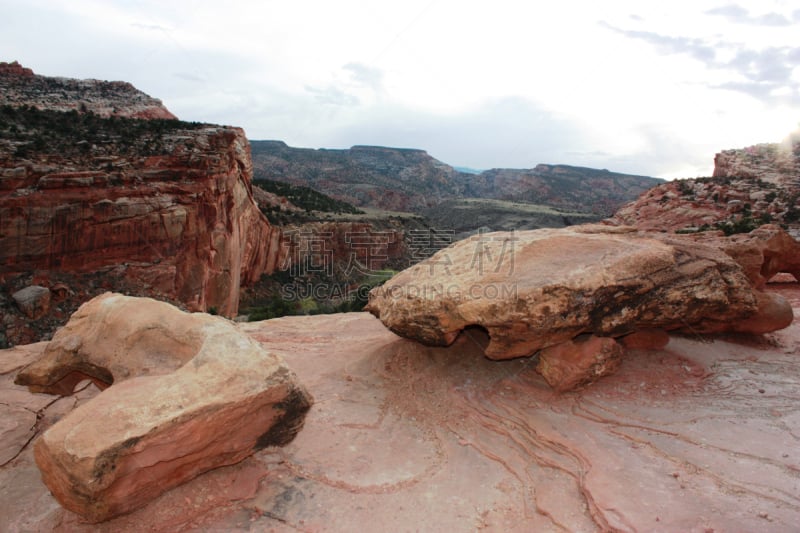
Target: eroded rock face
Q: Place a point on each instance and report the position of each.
(179, 223)
(749, 186)
(19, 85)
(190, 393)
(762, 253)
(535, 289)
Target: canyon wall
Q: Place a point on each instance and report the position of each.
(156, 207)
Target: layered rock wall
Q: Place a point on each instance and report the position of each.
(182, 223)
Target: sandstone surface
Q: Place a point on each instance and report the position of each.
(696, 436)
(762, 253)
(578, 362)
(534, 289)
(186, 394)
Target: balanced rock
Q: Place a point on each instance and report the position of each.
(534, 289)
(34, 301)
(186, 393)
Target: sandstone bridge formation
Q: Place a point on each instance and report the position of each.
(186, 393)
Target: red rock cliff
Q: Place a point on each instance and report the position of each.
(167, 204)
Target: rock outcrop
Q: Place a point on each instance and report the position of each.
(165, 205)
(750, 186)
(186, 394)
(537, 289)
(20, 86)
(580, 361)
(762, 253)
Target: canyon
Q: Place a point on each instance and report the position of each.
(637, 375)
(398, 179)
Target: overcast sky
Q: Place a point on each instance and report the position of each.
(652, 88)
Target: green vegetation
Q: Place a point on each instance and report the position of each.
(41, 131)
(744, 224)
(685, 187)
(352, 298)
(306, 198)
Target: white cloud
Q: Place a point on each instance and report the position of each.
(646, 88)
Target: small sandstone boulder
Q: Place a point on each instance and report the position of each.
(579, 362)
(33, 301)
(186, 393)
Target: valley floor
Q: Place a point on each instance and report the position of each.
(701, 436)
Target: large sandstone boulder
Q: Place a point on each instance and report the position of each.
(535, 289)
(186, 393)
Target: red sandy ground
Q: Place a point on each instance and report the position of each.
(701, 436)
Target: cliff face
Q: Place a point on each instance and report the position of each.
(750, 186)
(156, 207)
(20, 86)
(412, 180)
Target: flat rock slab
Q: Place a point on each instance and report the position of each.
(186, 393)
(698, 436)
(534, 289)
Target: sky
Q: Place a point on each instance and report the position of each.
(644, 87)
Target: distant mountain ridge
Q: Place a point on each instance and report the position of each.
(396, 179)
(563, 186)
(405, 179)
